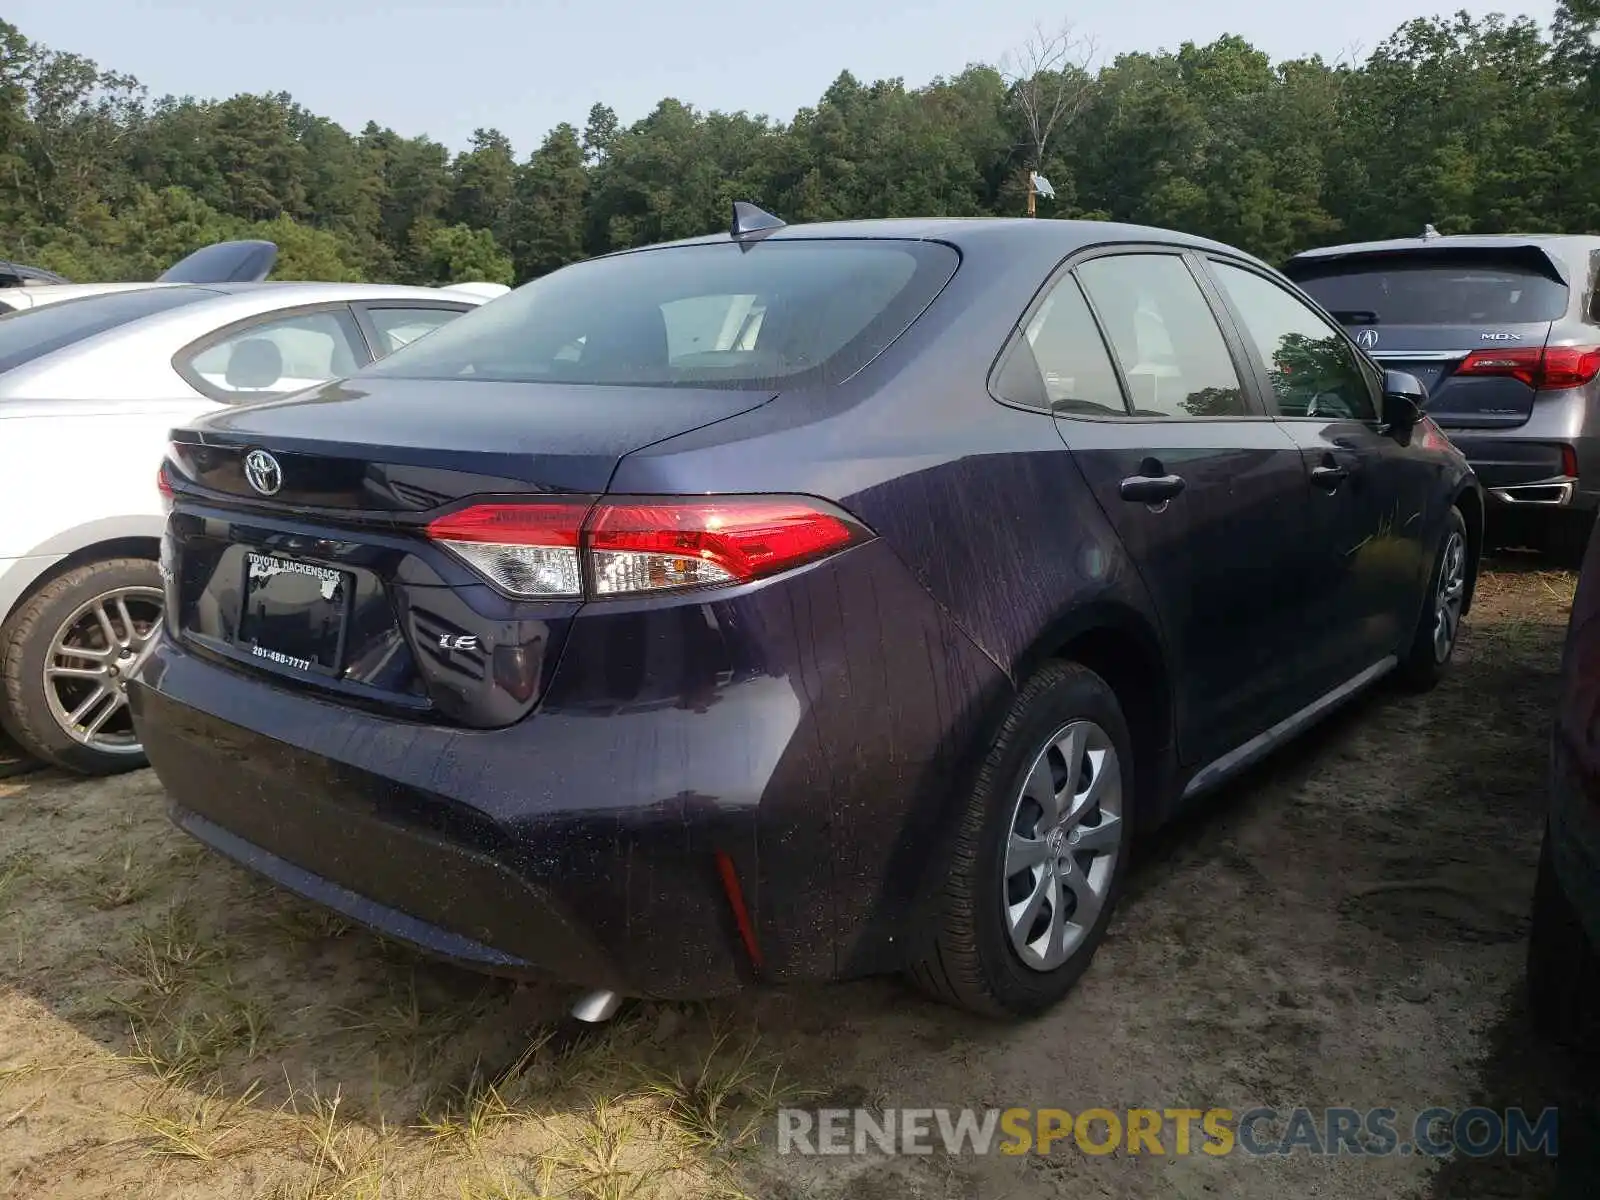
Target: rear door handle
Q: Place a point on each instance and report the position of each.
(1151, 489)
(1329, 477)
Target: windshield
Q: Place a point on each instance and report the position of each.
(32, 333)
(1437, 292)
(706, 315)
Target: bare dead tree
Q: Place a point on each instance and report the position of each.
(1050, 79)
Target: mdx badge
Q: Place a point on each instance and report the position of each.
(1502, 337)
(262, 472)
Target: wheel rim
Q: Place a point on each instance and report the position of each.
(1448, 600)
(91, 657)
(1062, 847)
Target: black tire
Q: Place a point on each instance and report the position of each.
(1563, 965)
(25, 711)
(1423, 667)
(969, 960)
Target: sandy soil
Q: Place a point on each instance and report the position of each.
(1342, 927)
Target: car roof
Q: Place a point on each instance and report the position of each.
(286, 291)
(290, 291)
(1556, 242)
(1029, 235)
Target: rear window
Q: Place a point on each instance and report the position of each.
(1432, 291)
(34, 332)
(790, 312)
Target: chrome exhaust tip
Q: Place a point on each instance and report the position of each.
(592, 1008)
(1547, 493)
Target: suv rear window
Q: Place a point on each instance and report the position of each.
(34, 332)
(797, 311)
(1432, 289)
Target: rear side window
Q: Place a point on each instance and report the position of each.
(34, 332)
(1165, 336)
(398, 327)
(276, 356)
(1433, 289)
(1061, 362)
(787, 313)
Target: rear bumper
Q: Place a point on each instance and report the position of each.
(814, 730)
(1575, 836)
(391, 831)
(1530, 467)
(1528, 473)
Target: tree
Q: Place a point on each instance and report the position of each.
(546, 217)
(460, 254)
(1050, 85)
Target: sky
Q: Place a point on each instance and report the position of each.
(446, 68)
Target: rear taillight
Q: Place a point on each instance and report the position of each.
(164, 486)
(527, 549)
(1548, 367)
(565, 549)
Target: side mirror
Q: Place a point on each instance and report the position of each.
(1403, 398)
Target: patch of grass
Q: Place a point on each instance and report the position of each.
(162, 958)
(476, 1111)
(721, 1101)
(15, 869)
(602, 1155)
(342, 1162)
(201, 1128)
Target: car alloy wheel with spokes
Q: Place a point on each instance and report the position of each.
(91, 657)
(1064, 842)
(67, 653)
(1039, 852)
(1450, 594)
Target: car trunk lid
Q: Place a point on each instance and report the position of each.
(297, 542)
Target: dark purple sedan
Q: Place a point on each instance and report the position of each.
(794, 603)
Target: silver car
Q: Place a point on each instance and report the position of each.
(89, 388)
(1504, 331)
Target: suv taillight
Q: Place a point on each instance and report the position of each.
(1548, 367)
(565, 549)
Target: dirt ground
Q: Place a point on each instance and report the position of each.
(1343, 927)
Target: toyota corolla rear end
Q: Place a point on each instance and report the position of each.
(423, 666)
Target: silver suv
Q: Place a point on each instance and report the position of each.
(1504, 330)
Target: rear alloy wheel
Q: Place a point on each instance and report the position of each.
(67, 655)
(1439, 628)
(1040, 852)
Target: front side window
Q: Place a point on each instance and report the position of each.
(276, 357)
(1314, 372)
(781, 312)
(1172, 353)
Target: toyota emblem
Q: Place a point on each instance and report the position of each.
(262, 472)
(1367, 339)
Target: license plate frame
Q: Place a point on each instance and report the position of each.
(312, 652)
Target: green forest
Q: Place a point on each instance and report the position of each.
(1469, 125)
